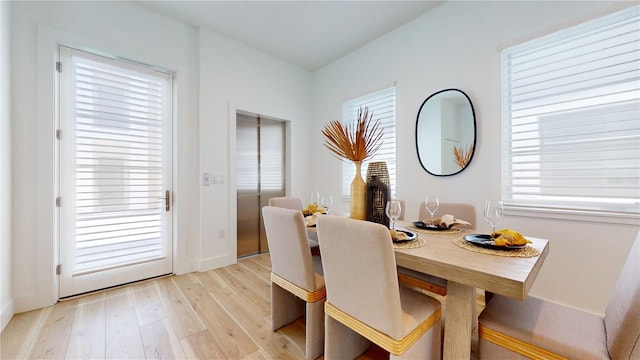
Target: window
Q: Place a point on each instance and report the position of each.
(382, 105)
(571, 119)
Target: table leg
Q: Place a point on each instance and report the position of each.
(458, 320)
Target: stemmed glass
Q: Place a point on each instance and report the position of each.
(393, 210)
(493, 214)
(432, 204)
(315, 198)
(327, 202)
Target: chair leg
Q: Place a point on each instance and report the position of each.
(427, 347)
(314, 343)
(341, 342)
(285, 307)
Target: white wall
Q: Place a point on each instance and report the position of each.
(6, 294)
(458, 45)
(236, 77)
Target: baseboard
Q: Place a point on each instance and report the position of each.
(216, 262)
(7, 314)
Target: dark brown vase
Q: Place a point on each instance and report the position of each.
(378, 194)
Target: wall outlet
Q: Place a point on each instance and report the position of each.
(221, 233)
(206, 179)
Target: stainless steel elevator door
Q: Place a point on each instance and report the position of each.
(260, 167)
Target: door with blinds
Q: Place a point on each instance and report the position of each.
(115, 208)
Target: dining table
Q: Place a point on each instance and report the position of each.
(465, 271)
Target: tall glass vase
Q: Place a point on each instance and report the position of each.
(358, 195)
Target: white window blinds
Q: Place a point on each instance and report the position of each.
(118, 115)
(382, 104)
(571, 118)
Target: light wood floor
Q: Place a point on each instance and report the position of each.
(219, 314)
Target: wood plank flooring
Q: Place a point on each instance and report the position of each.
(219, 314)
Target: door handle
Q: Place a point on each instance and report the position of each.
(167, 200)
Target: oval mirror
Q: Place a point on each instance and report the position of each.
(446, 132)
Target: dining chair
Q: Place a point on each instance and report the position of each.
(402, 210)
(461, 211)
(295, 203)
(535, 328)
(297, 280)
(364, 301)
(288, 202)
(427, 282)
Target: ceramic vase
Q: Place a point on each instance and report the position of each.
(358, 195)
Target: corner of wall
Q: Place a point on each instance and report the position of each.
(6, 292)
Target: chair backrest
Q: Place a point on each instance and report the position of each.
(360, 272)
(289, 202)
(402, 209)
(462, 211)
(288, 246)
(622, 314)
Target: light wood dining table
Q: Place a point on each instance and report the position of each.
(466, 270)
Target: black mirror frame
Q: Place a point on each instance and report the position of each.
(475, 131)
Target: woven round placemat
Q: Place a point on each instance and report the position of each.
(436, 232)
(418, 242)
(527, 251)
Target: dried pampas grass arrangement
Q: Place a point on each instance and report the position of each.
(463, 157)
(356, 142)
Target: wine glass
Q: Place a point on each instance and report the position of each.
(493, 214)
(327, 202)
(393, 210)
(432, 204)
(315, 198)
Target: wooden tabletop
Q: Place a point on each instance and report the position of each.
(466, 270)
(508, 276)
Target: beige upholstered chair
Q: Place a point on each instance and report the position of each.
(430, 283)
(295, 275)
(364, 302)
(461, 211)
(288, 202)
(536, 328)
(402, 209)
(295, 203)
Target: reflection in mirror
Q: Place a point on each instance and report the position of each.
(446, 132)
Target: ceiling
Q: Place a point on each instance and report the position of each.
(309, 34)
